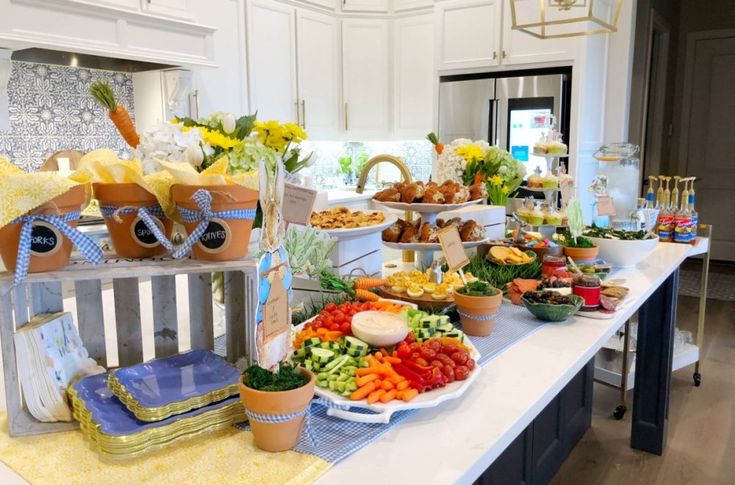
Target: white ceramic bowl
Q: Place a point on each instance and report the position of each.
(624, 253)
(379, 329)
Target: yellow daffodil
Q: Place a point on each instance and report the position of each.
(505, 189)
(217, 139)
(470, 152)
(496, 180)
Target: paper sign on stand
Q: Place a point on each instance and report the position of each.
(605, 206)
(453, 249)
(298, 203)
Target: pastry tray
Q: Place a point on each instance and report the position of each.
(173, 385)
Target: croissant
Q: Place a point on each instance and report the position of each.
(393, 232)
(472, 231)
(428, 233)
(408, 193)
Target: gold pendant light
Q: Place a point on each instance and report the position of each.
(554, 19)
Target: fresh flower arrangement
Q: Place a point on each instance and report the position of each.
(466, 161)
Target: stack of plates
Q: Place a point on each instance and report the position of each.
(128, 412)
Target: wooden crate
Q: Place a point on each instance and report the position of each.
(42, 293)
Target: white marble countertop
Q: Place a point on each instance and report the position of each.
(461, 438)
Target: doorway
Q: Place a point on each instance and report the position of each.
(707, 147)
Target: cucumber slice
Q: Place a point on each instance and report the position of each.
(341, 386)
(321, 356)
(312, 341)
(332, 385)
(335, 363)
(309, 365)
(355, 347)
(429, 321)
(300, 353)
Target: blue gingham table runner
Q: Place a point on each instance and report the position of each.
(336, 439)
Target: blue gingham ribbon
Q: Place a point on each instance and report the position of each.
(84, 243)
(478, 317)
(203, 199)
(283, 418)
(145, 213)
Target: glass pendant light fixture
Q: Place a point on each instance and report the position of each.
(553, 19)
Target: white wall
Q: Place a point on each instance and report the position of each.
(223, 88)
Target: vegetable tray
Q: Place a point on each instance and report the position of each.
(381, 413)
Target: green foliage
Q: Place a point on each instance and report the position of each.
(500, 275)
(345, 164)
(284, 379)
(478, 288)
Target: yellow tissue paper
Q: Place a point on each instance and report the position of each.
(21, 192)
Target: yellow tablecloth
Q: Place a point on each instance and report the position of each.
(225, 457)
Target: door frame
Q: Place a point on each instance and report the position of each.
(686, 109)
(657, 25)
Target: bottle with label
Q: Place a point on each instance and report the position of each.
(682, 224)
(692, 211)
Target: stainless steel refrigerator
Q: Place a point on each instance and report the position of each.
(509, 110)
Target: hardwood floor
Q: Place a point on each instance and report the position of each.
(701, 441)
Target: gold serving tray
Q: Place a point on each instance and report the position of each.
(171, 409)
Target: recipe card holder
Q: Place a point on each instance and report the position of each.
(45, 292)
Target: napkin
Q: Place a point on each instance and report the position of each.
(21, 192)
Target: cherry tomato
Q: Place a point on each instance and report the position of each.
(470, 364)
(348, 319)
(410, 338)
(427, 353)
(459, 357)
(330, 307)
(345, 327)
(435, 345)
(437, 363)
(339, 317)
(449, 373)
(444, 359)
(414, 347)
(334, 326)
(415, 355)
(461, 372)
(421, 361)
(328, 321)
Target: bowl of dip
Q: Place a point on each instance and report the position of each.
(379, 329)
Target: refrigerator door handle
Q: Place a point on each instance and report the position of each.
(492, 132)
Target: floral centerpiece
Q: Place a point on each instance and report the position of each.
(466, 161)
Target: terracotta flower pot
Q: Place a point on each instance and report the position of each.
(130, 236)
(581, 254)
(278, 436)
(53, 249)
(223, 240)
(481, 307)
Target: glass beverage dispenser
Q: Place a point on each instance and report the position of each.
(618, 176)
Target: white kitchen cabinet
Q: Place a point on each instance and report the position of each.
(401, 5)
(167, 8)
(469, 33)
(330, 4)
(133, 5)
(318, 64)
(365, 5)
(366, 77)
(271, 37)
(414, 76)
(522, 48)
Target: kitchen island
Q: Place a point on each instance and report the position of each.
(458, 441)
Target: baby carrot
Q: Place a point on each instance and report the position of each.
(378, 355)
(409, 394)
(387, 385)
(362, 392)
(392, 360)
(402, 385)
(397, 379)
(388, 396)
(361, 381)
(366, 371)
(374, 396)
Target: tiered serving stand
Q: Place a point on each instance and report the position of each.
(429, 213)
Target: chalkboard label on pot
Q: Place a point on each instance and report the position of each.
(142, 235)
(45, 239)
(216, 237)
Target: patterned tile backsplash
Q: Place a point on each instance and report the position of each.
(51, 110)
(417, 154)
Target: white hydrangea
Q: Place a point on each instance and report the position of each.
(451, 166)
(167, 141)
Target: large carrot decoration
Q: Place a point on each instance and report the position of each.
(438, 147)
(103, 94)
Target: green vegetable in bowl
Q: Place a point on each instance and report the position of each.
(478, 288)
(285, 378)
(608, 233)
(579, 242)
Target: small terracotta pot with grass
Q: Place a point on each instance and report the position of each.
(50, 249)
(224, 239)
(277, 436)
(478, 304)
(130, 236)
(581, 254)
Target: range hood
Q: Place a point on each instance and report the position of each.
(61, 58)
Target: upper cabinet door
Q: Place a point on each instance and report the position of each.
(366, 77)
(522, 48)
(415, 75)
(469, 33)
(330, 4)
(272, 60)
(168, 8)
(319, 73)
(401, 5)
(364, 5)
